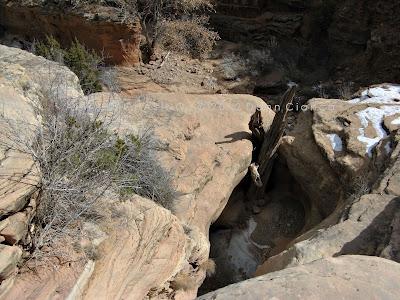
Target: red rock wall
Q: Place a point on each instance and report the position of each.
(118, 42)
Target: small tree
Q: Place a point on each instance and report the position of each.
(179, 18)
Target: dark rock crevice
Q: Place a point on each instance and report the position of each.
(250, 230)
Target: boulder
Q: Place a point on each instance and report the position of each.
(31, 76)
(344, 143)
(348, 277)
(16, 229)
(366, 219)
(204, 142)
(144, 248)
(9, 258)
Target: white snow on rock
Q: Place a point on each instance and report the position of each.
(396, 121)
(242, 250)
(336, 141)
(374, 115)
(387, 95)
(384, 94)
(388, 148)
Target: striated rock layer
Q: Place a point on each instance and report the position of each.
(359, 277)
(144, 250)
(97, 28)
(345, 154)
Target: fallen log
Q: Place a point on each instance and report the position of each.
(272, 138)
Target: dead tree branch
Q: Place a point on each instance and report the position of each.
(272, 138)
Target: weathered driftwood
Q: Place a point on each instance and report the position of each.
(272, 138)
(164, 60)
(255, 176)
(256, 125)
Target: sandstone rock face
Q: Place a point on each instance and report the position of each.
(204, 141)
(352, 142)
(358, 40)
(23, 78)
(344, 143)
(145, 247)
(9, 258)
(350, 276)
(97, 28)
(151, 248)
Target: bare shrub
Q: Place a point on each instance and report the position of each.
(249, 62)
(189, 37)
(109, 79)
(80, 158)
(233, 66)
(257, 60)
(320, 90)
(184, 281)
(209, 267)
(345, 90)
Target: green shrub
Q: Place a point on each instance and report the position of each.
(83, 62)
(82, 161)
(50, 48)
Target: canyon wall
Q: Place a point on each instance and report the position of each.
(345, 39)
(98, 29)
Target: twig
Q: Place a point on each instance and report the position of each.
(164, 60)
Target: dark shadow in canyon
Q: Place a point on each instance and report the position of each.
(250, 230)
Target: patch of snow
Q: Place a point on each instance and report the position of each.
(336, 141)
(375, 116)
(242, 252)
(396, 121)
(386, 94)
(388, 148)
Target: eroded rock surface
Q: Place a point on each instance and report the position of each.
(204, 142)
(349, 276)
(23, 79)
(338, 144)
(145, 246)
(97, 27)
(353, 143)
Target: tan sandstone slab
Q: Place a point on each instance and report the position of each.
(345, 277)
